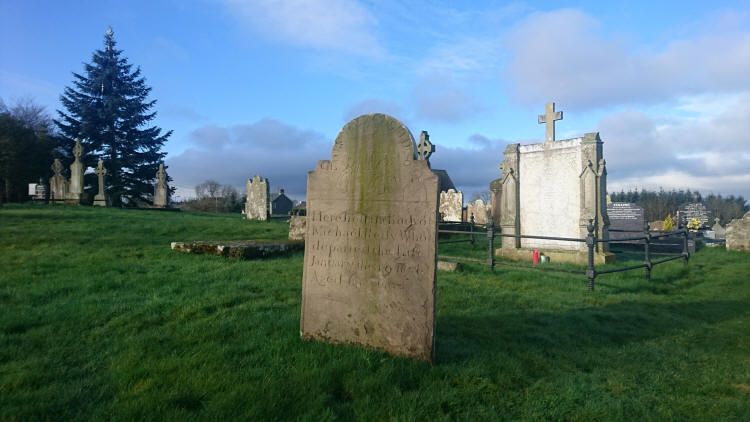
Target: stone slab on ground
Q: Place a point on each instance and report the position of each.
(449, 266)
(245, 249)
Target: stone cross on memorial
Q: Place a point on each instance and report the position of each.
(99, 199)
(425, 147)
(549, 117)
(75, 188)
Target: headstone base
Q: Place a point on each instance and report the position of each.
(76, 198)
(574, 257)
(100, 201)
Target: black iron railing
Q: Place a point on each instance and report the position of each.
(470, 229)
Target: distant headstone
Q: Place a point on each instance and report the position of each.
(75, 187)
(58, 183)
(625, 220)
(100, 200)
(257, 202)
(370, 247)
(719, 231)
(297, 225)
(496, 190)
(553, 189)
(160, 188)
(40, 192)
(479, 210)
(451, 204)
(738, 234)
(695, 210)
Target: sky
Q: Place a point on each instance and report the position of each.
(263, 87)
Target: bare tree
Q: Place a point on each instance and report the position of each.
(484, 195)
(208, 189)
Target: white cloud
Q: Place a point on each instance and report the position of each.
(340, 25)
(709, 152)
(439, 98)
(564, 56)
(230, 155)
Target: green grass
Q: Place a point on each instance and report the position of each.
(99, 319)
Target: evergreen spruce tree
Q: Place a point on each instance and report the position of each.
(108, 109)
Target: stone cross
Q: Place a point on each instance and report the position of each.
(77, 149)
(100, 200)
(549, 118)
(100, 172)
(425, 147)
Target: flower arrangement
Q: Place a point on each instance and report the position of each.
(668, 223)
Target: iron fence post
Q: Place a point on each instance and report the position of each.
(491, 241)
(471, 228)
(685, 252)
(591, 243)
(647, 253)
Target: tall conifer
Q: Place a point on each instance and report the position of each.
(108, 109)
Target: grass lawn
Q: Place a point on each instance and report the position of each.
(99, 319)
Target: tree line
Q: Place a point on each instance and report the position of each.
(658, 204)
(212, 196)
(108, 109)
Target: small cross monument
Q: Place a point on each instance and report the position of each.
(100, 199)
(425, 147)
(549, 117)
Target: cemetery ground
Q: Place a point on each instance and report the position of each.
(101, 320)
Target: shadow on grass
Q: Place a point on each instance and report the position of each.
(569, 334)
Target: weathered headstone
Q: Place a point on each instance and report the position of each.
(451, 204)
(100, 200)
(625, 220)
(75, 187)
(160, 188)
(553, 189)
(695, 210)
(719, 231)
(257, 202)
(496, 190)
(297, 226)
(58, 183)
(370, 247)
(479, 210)
(738, 234)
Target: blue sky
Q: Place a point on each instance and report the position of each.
(264, 86)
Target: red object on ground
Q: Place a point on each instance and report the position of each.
(535, 257)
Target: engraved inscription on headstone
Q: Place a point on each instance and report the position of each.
(695, 210)
(625, 220)
(370, 249)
